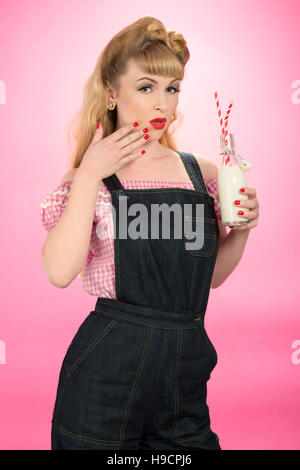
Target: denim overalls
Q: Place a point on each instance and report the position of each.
(135, 374)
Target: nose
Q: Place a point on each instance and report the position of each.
(161, 102)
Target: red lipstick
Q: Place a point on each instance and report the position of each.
(158, 123)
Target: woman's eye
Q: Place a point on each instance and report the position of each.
(176, 89)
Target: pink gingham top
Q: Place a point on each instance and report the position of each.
(99, 270)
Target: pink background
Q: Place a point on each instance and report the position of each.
(248, 51)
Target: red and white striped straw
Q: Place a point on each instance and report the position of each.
(226, 120)
(219, 113)
(224, 127)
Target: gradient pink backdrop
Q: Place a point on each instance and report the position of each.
(249, 52)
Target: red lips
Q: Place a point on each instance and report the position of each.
(158, 123)
(158, 119)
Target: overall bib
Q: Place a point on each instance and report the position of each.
(135, 374)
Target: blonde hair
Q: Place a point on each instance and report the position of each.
(159, 52)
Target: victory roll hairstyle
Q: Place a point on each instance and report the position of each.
(158, 51)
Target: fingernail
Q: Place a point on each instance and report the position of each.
(230, 226)
(135, 124)
(146, 136)
(237, 202)
(143, 151)
(146, 129)
(240, 212)
(242, 190)
(98, 125)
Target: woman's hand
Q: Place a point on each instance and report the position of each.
(249, 207)
(105, 156)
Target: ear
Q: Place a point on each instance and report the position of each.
(110, 91)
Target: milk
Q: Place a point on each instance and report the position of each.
(231, 179)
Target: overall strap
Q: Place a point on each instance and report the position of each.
(192, 166)
(112, 182)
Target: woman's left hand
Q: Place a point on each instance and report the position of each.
(249, 207)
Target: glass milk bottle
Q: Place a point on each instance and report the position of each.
(230, 179)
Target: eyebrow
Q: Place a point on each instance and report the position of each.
(154, 81)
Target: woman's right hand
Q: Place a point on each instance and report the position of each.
(105, 157)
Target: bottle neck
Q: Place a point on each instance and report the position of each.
(227, 146)
(231, 158)
(230, 155)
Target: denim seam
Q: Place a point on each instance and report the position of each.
(154, 310)
(90, 348)
(207, 254)
(163, 355)
(195, 436)
(206, 235)
(176, 396)
(207, 219)
(197, 171)
(147, 324)
(209, 343)
(176, 391)
(200, 253)
(116, 256)
(211, 271)
(86, 438)
(187, 160)
(193, 169)
(135, 384)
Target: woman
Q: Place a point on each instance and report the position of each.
(135, 375)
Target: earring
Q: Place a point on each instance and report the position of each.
(111, 106)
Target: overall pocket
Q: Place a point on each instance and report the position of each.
(85, 341)
(102, 377)
(209, 236)
(214, 356)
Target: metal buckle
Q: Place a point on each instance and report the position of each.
(197, 318)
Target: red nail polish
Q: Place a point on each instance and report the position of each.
(146, 129)
(135, 124)
(242, 190)
(143, 151)
(240, 213)
(146, 136)
(237, 202)
(98, 125)
(230, 226)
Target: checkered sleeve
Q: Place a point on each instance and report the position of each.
(53, 205)
(212, 188)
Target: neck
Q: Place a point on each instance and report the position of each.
(154, 150)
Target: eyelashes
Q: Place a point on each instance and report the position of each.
(174, 88)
